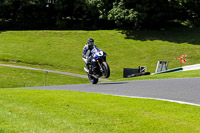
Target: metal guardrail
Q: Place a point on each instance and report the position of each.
(170, 70)
(185, 68)
(191, 67)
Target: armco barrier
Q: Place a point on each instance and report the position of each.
(171, 70)
(185, 68)
(191, 67)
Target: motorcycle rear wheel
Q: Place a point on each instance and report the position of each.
(93, 80)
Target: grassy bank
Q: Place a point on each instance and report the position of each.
(15, 77)
(62, 111)
(61, 50)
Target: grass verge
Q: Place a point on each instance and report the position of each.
(15, 77)
(64, 111)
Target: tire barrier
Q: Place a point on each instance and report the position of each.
(133, 72)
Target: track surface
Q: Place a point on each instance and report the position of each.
(185, 90)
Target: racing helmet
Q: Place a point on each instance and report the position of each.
(90, 42)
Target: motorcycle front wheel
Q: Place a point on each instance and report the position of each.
(106, 70)
(93, 80)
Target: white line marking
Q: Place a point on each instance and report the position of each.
(160, 99)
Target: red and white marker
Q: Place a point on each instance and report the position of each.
(181, 59)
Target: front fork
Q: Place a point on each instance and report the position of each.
(101, 69)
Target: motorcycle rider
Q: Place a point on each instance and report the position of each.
(86, 56)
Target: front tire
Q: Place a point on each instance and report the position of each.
(93, 80)
(106, 70)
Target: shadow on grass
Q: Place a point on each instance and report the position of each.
(176, 35)
(1, 31)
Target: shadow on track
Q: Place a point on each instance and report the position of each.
(112, 83)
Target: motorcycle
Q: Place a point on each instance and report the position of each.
(98, 66)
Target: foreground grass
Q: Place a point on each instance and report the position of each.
(64, 111)
(15, 77)
(61, 50)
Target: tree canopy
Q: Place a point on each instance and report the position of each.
(96, 14)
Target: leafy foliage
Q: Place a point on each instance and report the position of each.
(122, 15)
(83, 14)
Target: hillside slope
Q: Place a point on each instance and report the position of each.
(62, 50)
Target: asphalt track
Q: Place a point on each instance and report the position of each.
(185, 91)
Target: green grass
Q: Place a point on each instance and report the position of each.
(64, 111)
(62, 50)
(15, 77)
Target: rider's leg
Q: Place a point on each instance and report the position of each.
(88, 63)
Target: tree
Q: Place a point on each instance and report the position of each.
(121, 15)
(192, 11)
(82, 14)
